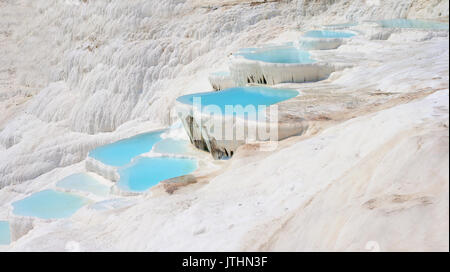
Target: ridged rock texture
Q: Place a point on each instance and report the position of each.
(372, 167)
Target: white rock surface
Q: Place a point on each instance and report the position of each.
(220, 81)
(75, 75)
(244, 71)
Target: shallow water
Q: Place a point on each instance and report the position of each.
(244, 96)
(111, 204)
(121, 152)
(49, 204)
(221, 73)
(147, 172)
(287, 55)
(171, 146)
(5, 233)
(340, 26)
(83, 182)
(310, 44)
(248, 50)
(327, 34)
(410, 23)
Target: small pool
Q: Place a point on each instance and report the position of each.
(243, 96)
(83, 182)
(147, 172)
(121, 152)
(327, 34)
(111, 204)
(171, 146)
(287, 55)
(5, 233)
(248, 50)
(49, 204)
(411, 23)
(341, 26)
(221, 74)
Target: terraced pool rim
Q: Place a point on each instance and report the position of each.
(277, 55)
(280, 95)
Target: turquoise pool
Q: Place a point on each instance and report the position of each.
(248, 50)
(171, 146)
(83, 182)
(243, 96)
(49, 204)
(328, 34)
(121, 152)
(147, 172)
(341, 26)
(287, 55)
(411, 23)
(221, 73)
(5, 233)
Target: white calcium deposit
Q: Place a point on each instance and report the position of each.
(75, 75)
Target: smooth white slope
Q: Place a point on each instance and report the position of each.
(72, 68)
(109, 66)
(72, 71)
(336, 191)
(381, 177)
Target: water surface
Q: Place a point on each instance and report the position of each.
(243, 96)
(147, 172)
(328, 34)
(121, 152)
(286, 55)
(83, 182)
(411, 23)
(341, 26)
(5, 233)
(221, 73)
(171, 146)
(49, 204)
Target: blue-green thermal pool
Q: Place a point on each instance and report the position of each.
(244, 96)
(221, 74)
(83, 182)
(49, 204)
(5, 233)
(341, 26)
(147, 172)
(171, 146)
(287, 55)
(121, 152)
(327, 34)
(411, 23)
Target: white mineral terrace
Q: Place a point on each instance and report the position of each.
(360, 161)
(221, 80)
(244, 71)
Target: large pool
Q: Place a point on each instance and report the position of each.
(5, 233)
(411, 23)
(328, 34)
(287, 55)
(243, 96)
(121, 152)
(147, 172)
(83, 182)
(49, 204)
